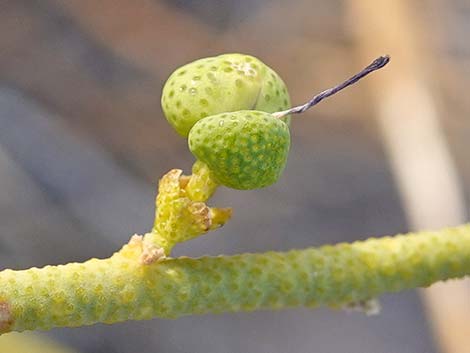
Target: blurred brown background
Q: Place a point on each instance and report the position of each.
(83, 142)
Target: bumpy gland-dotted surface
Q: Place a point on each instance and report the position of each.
(121, 288)
(225, 83)
(245, 149)
(181, 213)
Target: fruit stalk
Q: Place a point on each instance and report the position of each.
(123, 288)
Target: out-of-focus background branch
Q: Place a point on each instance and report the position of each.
(83, 141)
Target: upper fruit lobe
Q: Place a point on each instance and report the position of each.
(225, 83)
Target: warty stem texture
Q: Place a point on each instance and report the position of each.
(123, 288)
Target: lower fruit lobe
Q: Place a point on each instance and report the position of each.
(244, 149)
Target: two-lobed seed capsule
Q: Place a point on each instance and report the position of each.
(223, 105)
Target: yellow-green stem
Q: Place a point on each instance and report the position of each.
(122, 288)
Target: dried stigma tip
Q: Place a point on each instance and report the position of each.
(378, 63)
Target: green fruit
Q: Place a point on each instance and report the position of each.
(225, 83)
(245, 149)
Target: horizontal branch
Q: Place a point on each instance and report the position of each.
(123, 288)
